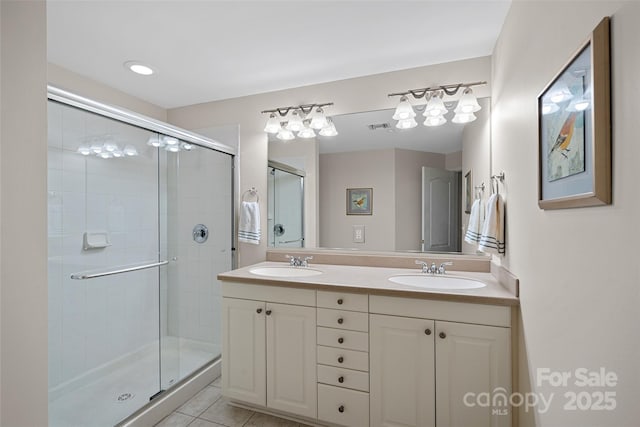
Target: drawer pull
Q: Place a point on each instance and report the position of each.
(427, 331)
(341, 408)
(443, 335)
(341, 320)
(340, 359)
(340, 301)
(259, 311)
(340, 380)
(340, 340)
(268, 312)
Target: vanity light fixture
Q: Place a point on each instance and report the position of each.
(435, 108)
(304, 120)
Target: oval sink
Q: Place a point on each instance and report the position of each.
(285, 271)
(437, 282)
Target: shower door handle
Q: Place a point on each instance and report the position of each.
(90, 275)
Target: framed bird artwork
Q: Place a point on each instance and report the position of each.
(574, 129)
(359, 201)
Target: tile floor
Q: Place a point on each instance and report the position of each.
(209, 409)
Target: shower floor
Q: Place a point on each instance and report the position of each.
(123, 387)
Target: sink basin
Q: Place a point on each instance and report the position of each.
(445, 283)
(285, 271)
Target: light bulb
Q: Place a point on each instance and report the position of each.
(154, 141)
(285, 135)
(435, 106)
(407, 123)
(549, 108)
(435, 120)
(404, 110)
(130, 150)
(295, 122)
(307, 132)
(273, 124)
(463, 118)
(467, 103)
(318, 119)
(329, 130)
(84, 150)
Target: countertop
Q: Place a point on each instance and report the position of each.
(374, 281)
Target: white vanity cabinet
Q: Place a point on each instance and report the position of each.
(269, 348)
(423, 368)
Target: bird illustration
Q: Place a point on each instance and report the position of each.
(566, 133)
(359, 202)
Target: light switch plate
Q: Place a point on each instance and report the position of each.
(358, 234)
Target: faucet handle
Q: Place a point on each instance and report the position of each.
(305, 261)
(424, 265)
(292, 259)
(441, 269)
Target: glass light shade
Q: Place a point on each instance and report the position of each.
(435, 107)
(173, 148)
(561, 93)
(96, 148)
(549, 108)
(84, 150)
(154, 141)
(130, 151)
(110, 146)
(329, 130)
(295, 122)
(186, 146)
(105, 155)
(404, 110)
(285, 135)
(467, 103)
(407, 123)
(169, 140)
(273, 124)
(435, 120)
(463, 118)
(307, 132)
(118, 153)
(580, 104)
(318, 119)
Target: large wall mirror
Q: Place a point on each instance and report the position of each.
(421, 179)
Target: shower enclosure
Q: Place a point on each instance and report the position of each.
(140, 223)
(285, 217)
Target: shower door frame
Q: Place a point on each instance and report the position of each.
(272, 164)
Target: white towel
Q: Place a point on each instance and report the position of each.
(492, 236)
(474, 228)
(249, 227)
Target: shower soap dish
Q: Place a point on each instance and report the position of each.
(95, 240)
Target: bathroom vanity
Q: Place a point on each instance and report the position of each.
(344, 345)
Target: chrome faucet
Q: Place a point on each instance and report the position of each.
(296, 261)
(433, 269)
(441, 269)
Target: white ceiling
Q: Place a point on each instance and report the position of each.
(211, 50)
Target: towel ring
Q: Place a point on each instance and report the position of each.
(252, 192)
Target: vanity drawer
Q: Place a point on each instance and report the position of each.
(340, 377)
(343, 301)
(341, 358)
(343, 319)
(341, 338)
(343, 406)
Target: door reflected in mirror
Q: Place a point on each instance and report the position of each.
(414, 173)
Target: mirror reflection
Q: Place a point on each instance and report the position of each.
(419, 179)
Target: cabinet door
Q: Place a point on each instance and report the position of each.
(402, 371)
(471, 359)
(243, 350)
(291, 359)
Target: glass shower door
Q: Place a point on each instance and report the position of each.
(286, 209)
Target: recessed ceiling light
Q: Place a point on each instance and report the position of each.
(139, 68)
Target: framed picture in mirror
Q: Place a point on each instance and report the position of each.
(574, 129)
(359, 201)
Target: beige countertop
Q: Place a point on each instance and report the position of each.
(374, 280)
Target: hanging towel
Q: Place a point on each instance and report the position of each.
(474, 228)
(492, 236)
(249, 227)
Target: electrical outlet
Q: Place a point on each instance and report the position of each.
(358, 234)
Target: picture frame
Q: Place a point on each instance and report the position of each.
(468, 197)
(359, 201)
(574, 128)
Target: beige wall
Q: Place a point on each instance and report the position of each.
(23, 202)
(349, 96)
(476, 157)
(81, 85)
(579, 271)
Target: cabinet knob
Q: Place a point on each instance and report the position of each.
(340, 359)
(341, 379)
(427, 331)
(341, 408)
(268, 312)
(341, 320)
(442, 335)
(340, 340)
(340, 301)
